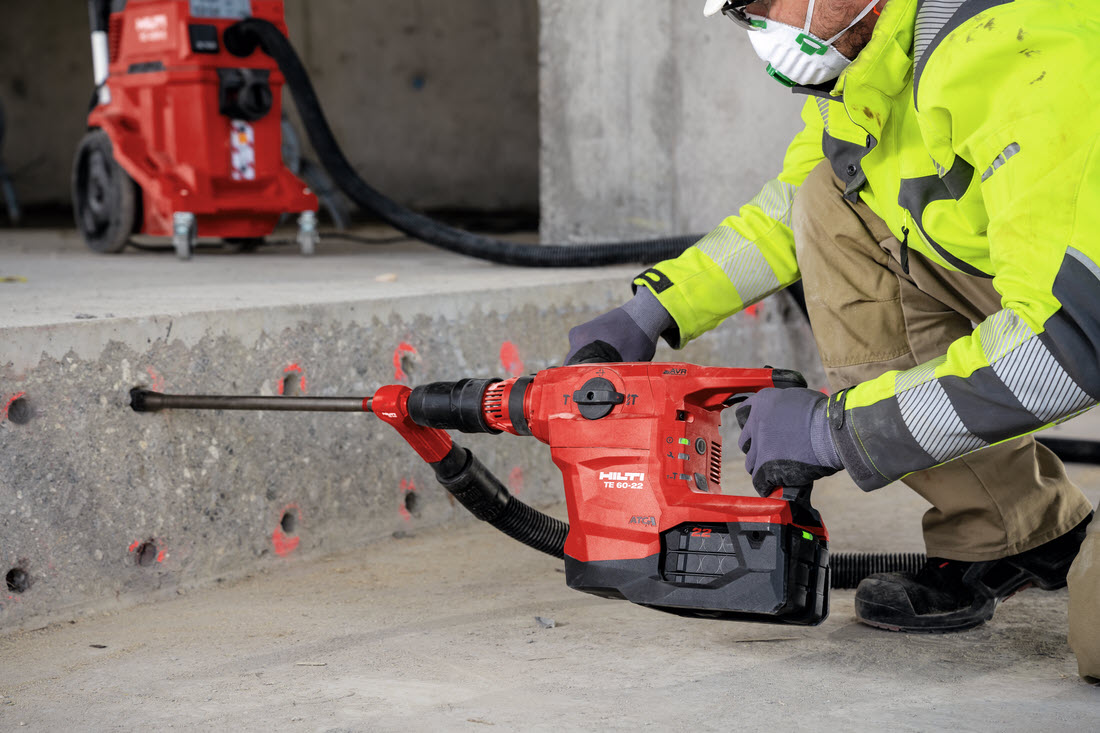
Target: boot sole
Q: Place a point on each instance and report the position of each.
(921, 629)
(947, 623)
(943, 623)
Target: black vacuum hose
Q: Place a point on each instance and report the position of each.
(475, 487)
(242, 39)
(848, 568)
(1073, 451)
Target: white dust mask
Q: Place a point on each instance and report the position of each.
(796, 56)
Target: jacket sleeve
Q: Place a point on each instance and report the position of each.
(747, 257)
(1018, 105)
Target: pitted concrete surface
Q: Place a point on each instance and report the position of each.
(438, 632)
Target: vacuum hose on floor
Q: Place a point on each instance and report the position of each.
(848, 568)
(244, 37)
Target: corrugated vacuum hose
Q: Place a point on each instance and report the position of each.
(243, 38)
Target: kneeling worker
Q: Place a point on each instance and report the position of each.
(948, 174)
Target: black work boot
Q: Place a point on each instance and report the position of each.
(949, 595)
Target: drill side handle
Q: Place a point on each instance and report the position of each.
(788, 378)
(744, 385)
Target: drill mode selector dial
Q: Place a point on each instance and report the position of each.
(597, 398)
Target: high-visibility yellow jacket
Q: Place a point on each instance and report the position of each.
(971, 125)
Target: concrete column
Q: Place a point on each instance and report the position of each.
(655, 120)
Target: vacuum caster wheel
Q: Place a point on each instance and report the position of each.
(106, 201)
(184, 234)
(308, 236)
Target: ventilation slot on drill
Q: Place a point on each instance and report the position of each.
(114, 36)
(716, 463)
(492, 405)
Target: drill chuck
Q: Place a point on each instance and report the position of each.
(473, 406)
(452, 405)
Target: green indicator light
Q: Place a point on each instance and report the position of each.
(807, 535)
(685, 441)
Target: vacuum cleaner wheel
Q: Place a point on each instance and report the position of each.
(105, 199)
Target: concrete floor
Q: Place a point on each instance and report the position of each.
(438, 631)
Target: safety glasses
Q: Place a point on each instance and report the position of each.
(735, 11)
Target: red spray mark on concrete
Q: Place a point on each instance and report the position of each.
(289, 372)
(156, 381)
(7, 405)
(134, 545)
(283, 543)
(516, 480)
(753, 311)
(403, 350)
(510, 360)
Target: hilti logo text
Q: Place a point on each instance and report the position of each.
(617, 476)
(620, 480)
(152, 28)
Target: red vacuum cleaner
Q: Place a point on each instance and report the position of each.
(184, 139)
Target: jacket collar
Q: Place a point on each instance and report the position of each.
(880, 72)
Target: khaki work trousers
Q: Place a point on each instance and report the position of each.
(869, 316)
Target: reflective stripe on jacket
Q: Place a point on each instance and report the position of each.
(973, 125)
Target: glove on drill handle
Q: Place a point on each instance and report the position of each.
(788, 379)
(597, 352)
(627, 333)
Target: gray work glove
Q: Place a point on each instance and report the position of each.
(627, 333)
(786, 439)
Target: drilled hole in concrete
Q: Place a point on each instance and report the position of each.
(18, 580)
(20, 411)
(408, 363)
(146, 554)
(292, 385)
(289, 523)
(412, 502)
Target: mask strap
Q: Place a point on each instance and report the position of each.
(810, 17)
(859, 17)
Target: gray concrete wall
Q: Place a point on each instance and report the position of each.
(655, 120)
(436, 103)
